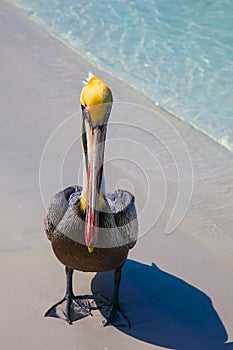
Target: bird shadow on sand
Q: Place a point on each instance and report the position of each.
(164, 310)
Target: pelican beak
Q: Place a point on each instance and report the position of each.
(95, 141)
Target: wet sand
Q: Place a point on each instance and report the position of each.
(177, 287)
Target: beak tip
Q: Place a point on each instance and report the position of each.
(90, 249)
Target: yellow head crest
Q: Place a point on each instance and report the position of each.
(96, 96)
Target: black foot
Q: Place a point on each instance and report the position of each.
(115, 317)
(74, 309)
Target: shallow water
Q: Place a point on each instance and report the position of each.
(180, 54)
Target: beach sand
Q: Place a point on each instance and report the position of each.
(177, 287)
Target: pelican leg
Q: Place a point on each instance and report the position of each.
(75, 307)
(115, 309)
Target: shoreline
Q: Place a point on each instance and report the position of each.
(159, 108)
(177, 288)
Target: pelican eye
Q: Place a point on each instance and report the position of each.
(86, 115)
(84, 108)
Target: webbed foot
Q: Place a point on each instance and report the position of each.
(114, 316)
(74, 309)
(112, 310)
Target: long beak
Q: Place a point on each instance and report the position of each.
(95, 141)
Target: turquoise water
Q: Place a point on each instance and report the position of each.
(178, 53)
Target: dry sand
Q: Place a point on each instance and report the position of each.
(177, 288)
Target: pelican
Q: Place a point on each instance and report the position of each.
(91, 230)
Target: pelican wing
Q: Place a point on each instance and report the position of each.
(57, 209)
(122, 204)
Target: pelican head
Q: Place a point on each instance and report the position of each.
(96, 102)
